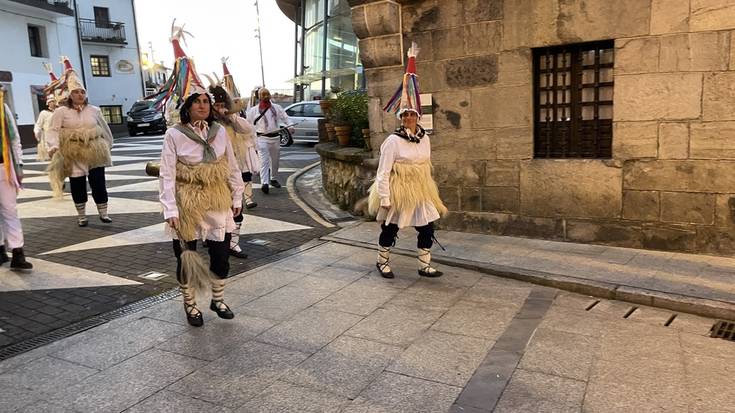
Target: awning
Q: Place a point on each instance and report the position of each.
(309, 78)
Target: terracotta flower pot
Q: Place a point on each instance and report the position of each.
(326, 105)
(343, 134)
(331, 135)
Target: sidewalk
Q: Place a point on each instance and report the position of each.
(698, 284)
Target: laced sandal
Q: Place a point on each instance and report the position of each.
(193, 315)
(222, 310)
(383, 263)
(425, 268)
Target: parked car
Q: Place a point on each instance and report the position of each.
(305, 116)
(143, 117)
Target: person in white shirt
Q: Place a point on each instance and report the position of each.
(79, 143)
(404, 193)
(267, 118)
(201, 192)
(240, 133)
(201, 186)
(11, 175)
(40, 129)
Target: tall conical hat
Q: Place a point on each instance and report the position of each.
(53, 88)
(407, 95)
(228, 81)
(184, 80)
(71, 79)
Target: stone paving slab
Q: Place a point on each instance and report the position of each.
(493, 344)
(681, 282)
(86, 272)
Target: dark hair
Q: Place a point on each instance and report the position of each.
(184, 110)
(68, 103)
(221, 96)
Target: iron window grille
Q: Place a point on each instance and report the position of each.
(573, 100)
(100, 65)
(112, 114)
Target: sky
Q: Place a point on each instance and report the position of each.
(222, 28)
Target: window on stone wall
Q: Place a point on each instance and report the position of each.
(112, 114)
(573, 100)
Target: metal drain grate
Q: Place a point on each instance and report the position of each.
(724, 330)
(78, 327)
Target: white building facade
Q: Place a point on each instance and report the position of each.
(99, 37)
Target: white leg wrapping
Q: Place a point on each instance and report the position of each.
(235, 238)
(247, 193)
(424, 260)
(383, 259)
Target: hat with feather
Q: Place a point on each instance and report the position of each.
(407, 97)
(52, 89)
(225, 91)
(183, 81)
(70, 80)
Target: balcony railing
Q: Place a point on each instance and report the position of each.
(102, 31)
(64, 7)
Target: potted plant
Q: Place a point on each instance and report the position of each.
(350, 109)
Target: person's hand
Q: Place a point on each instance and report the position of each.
(173, 222)
(236, 211)
(20, 176)
(291, 130)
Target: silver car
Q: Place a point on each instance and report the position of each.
(305, 116)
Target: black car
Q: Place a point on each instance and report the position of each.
(143, 117)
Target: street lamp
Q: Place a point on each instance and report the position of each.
(260, 42)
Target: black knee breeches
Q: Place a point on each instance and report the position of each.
(97, 182)
(219, 256)
(388, 233)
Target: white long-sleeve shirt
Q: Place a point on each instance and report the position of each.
(270, 122)
(396, 149)
(177, 146)
(65, 117)
(43, 124)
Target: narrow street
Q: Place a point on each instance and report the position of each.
(83, 272)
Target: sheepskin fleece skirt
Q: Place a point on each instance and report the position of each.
(204, 199)
(244, 149)
(80, 149)
(414, 196)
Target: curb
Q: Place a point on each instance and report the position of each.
(293, 194)
(671, 301)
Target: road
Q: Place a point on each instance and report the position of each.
(83, 272)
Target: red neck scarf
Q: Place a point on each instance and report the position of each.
(264, 105)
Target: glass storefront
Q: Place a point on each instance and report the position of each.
(340, 69)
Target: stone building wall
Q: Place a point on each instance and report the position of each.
(671, 181)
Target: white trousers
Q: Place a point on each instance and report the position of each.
(12, 232)
(269, 150)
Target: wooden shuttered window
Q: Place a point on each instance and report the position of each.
(573, 100)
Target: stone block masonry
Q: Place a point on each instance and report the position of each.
(668, 184)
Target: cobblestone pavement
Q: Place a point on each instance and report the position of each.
(83, 272)
(320, 331)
